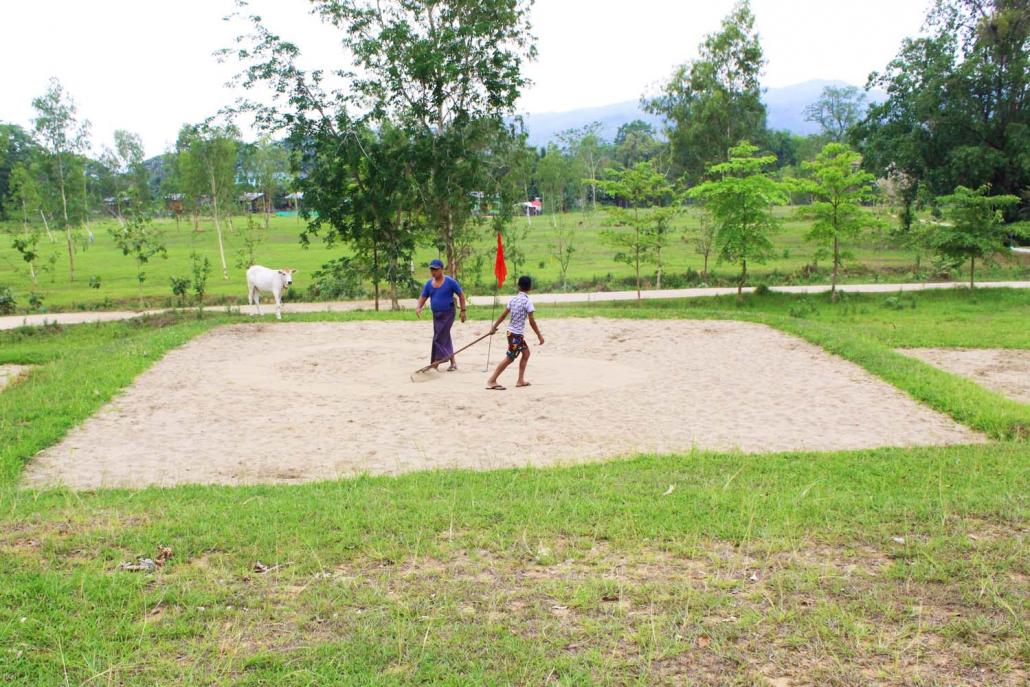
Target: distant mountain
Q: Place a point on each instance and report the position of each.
(785, 106)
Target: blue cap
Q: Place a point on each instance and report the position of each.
(436, 264)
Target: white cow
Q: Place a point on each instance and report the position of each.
(264, 279)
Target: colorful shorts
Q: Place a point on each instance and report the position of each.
(516, 344)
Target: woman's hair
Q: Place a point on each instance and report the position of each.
(525, 283)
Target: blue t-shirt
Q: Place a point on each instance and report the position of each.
(441, 297)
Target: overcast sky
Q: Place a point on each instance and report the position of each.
(146, 65)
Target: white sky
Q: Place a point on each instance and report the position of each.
(146, 65)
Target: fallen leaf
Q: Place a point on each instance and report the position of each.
(614, 596)
(672, 488)
(898, 540)
(163, 554)
(703, 641)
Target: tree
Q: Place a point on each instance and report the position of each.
(16, 149)
(838, 186)
(716, 100)
(126, 161)
(975, 228)
(638, 188)
(439, 67)
(207, 164)
(740, 200)
(62, 135)
(837, 110)
(957, 111)
(140, 240)
(360, 189)
(585, 146)
(635, 142)
(704, 240)
(24, 195)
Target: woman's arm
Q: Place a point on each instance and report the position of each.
(461, 299)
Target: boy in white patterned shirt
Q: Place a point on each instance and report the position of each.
(521, 309)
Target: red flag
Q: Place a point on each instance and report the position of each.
(500, 270)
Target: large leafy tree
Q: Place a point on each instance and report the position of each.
(839, 187)
(16, 149)
(635, 142)
(439, 67)
(837, 110)
(716, 100)
(974, 227)
(360, 189)
(957, 111)
(740, 197)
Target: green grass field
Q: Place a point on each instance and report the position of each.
(592, 266)
(890, 566)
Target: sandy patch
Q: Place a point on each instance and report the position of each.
(303, 401)
(1004, 370)
(9, 373)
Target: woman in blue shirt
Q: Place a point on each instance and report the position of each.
(440, 292)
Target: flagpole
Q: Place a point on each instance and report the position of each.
(500, 274)
(490, 342)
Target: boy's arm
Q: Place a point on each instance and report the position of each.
(532, 323)
(493, 329)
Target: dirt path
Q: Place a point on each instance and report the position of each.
(304, 401)
(13, 321)
(1006, 371)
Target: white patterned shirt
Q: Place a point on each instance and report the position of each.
(520, 306)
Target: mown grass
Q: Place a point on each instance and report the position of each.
(592, 266)
(890, 566)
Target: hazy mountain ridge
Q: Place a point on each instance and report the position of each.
(785, 106)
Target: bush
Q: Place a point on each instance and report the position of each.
(7, 302)
(802, 309)
(36, 302)
(762, 290)
(94, 282)
(899, 302)
(180, 287)
(337, 279)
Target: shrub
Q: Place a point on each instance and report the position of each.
(802, 309)
(899, 302)
(762, 290)
(36, 301)
(180, 287)
(7, 302)
(340, 278)
(94, 282)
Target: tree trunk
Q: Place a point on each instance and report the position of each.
(218, 227)
(836, 265)
(375, 273)
(46, 226)
(449, 243)
(706, 267)
(743, 277)
(972, 266)
(67, 226)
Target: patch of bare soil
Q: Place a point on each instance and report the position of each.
(9, 374)
(1004, 370)
(308, 401)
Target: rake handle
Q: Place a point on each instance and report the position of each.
(468, 345)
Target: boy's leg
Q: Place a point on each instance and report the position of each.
(522, 368)
(497, 373)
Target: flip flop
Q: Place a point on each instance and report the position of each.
(495, 387)
(526, 384)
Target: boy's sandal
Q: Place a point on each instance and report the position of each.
(495, 387)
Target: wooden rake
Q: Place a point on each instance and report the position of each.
(420, 375)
